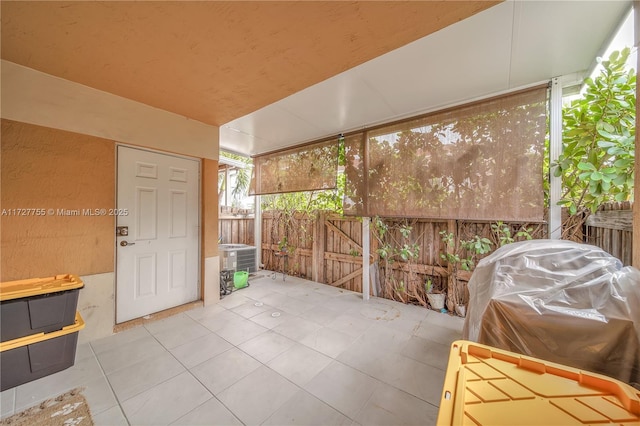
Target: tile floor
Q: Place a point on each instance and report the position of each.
(275, 353)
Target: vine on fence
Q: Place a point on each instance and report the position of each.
(398, 252)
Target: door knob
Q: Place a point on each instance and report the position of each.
(126, 243)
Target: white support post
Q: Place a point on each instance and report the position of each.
(635, 243)
(257, 230)
(366, 244)
(555, 149)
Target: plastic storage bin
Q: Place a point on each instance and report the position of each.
(32, 357)
(37, 305)
(489, 386)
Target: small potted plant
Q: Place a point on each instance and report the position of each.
(434, 296)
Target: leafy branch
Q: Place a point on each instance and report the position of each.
(597, 163)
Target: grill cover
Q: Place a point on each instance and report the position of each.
(560, 301)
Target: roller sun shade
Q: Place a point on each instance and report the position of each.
(481, 161)
(304, 168)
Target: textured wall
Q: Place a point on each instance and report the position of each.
(210, 208)
(54, 170)
(210, 261)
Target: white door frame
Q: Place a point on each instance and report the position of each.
(115, 221)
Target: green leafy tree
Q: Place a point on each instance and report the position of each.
(596, 165)
(242, 176)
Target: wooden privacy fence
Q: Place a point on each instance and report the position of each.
(327, 248)
(611, 228)
(236, 230)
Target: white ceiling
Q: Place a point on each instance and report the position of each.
(511, 45)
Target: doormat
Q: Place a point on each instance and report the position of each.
(69, 409)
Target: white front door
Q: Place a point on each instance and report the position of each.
(157, 262)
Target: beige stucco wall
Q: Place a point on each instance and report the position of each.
(62, 174)
(211, 261)
(58, 151)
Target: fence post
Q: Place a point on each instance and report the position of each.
(318, 249)
(452, 228)
(365, 257)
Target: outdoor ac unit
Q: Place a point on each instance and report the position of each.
(237, 257)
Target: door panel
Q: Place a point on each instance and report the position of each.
(158, 261)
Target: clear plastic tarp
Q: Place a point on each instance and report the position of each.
(559, 301)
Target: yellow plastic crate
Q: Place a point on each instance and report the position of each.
(38, 305)
(38, 355)
(488, 386)
(10, 290)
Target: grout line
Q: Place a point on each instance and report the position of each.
(118, 403)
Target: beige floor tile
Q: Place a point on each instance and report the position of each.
(342, 387)
(427, 352)
(212, 412)
(416, 378)
(328, 341)
(320, 315)
(390, 406)
(296, 306)
(7, 402)
(271, 318)
(266, 346)
(305, 409)
(309, 295)
(81, 372)
(299, 363)
(184, 333)
(238, 332)
(379, 335)
(99, 395)
(445, 320)
(110, 417)
(232, 300)
(166, 402)
(251, 308)
(350, 324)
(296, 328)
(275, 300)
(258, 395)
(201, 349)
(129, 354)
(119, 340)
(173, 322)
(130, 381)
(438, 333)
(257, 290)
(222, 371)
(204, 312)
(220, 320)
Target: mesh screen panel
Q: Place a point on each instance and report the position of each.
(305, 168)
(481, 161)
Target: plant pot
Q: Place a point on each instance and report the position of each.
(436, 300)
(461, 310)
